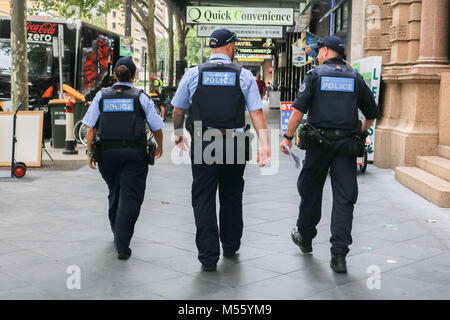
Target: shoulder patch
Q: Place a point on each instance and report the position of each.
(303, 87)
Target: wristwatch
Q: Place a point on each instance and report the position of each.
(89, 153)
(287, 137)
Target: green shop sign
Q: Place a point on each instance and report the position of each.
(241, 16)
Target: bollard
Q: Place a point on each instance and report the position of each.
(70, 139)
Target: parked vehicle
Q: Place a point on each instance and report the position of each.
(89, 56)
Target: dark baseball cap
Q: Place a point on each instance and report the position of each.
(221, 37)
(127, 62)
(332, 42)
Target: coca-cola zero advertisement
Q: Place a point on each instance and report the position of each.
(41, 31)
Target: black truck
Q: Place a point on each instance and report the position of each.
(89, 56)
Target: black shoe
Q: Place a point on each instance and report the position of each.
(210, 268)
(124, 255)
(305, 246)
(229, 254)
(338, 263)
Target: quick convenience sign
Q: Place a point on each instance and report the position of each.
(241, 16)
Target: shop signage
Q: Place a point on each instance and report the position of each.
(240, 15)
(370, 69)
(265, 51)
(286, 112)
(252, 57)
(204, 31)
(255, 43)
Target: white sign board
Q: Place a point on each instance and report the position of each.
(205, 31)
(240, 15)
(28, 134)
(370, 69)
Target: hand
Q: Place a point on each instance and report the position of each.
(158, 152)
(91, 162)
(182, 142)
(288, 143)
(264, 155)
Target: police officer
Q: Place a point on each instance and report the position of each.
(218, 93)
(331, 95)
(118, 115)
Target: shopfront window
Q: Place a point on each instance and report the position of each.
(341, 18)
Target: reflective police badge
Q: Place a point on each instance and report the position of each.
(337, 84)
(118, 105)
(227, 79)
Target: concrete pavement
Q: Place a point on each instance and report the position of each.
(51, 220)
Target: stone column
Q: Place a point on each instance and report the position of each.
(434, 34)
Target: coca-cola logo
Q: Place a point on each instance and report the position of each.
(42, 28)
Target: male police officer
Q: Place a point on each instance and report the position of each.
(121, 112)
(331, 95)
(217, 93)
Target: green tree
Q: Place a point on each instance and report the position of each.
(194, 51)
(74, 8)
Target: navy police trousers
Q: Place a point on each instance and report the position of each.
(125, 172)
(345, 193)
(207, 178)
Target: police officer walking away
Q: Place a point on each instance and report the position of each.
(118, 114)
(331, 95)
(218, 93)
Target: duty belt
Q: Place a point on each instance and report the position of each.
(117, 144)
(335, 134)
(229, 131)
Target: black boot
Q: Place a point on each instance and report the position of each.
(210, 268)
(304, 245)
(124, 255)
(338, 263)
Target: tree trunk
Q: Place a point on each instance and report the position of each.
(171, 49)
(150, 33)
(19, 54)
(181, 38)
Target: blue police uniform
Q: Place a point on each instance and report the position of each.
(218, 93)
(331, 95)
(120, 113)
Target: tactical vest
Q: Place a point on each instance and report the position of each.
(335, 98)
(121, 114)
(218, 100)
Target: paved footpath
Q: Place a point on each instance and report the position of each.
(51, 220)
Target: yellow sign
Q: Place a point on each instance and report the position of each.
(250, 59)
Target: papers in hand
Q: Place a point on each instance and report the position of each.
(295, 160)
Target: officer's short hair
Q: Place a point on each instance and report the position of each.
(123, 74)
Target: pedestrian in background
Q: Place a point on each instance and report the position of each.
(261, 86)
(158, 90)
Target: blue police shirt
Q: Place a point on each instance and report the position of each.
(188, 85)
(154, 120)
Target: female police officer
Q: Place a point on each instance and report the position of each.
(118, 114)
(331, 94)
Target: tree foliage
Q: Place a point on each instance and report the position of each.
(74, 9)
(142, 11)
